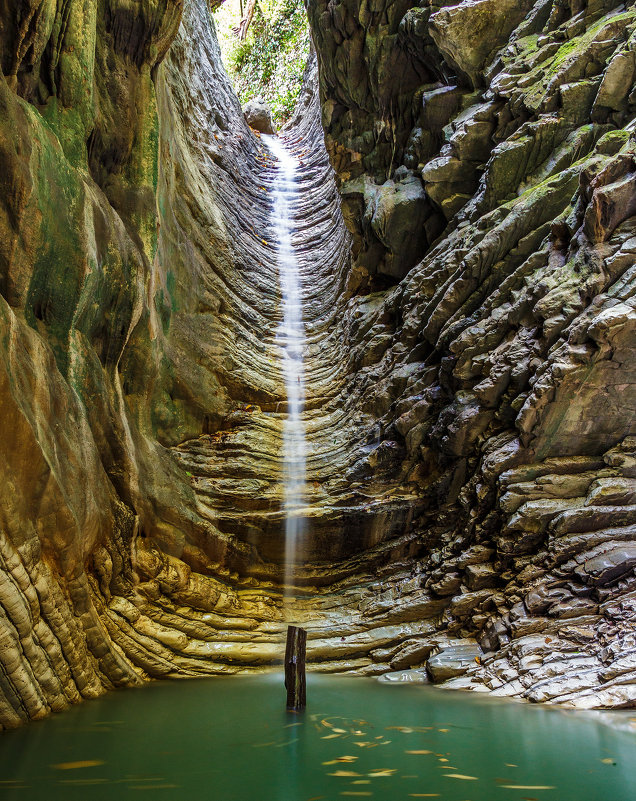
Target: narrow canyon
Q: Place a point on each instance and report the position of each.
(464, 236)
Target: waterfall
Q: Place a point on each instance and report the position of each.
(290, 337)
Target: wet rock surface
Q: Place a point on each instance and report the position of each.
(452, 662)
(466, 244)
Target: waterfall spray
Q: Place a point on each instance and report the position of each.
(291, 339)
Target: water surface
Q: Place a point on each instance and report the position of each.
(230, 739)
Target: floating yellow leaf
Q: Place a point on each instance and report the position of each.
(361, 781)
(85, 763)
(443, 759)
(510, 765)
(343, 773)
(608, 761)
(153, 786)
(340, 731)
(421, 751)
(444, 730)
(460, 776)
(329, 736)
(340, 759)
(527, 787)
(388, 772)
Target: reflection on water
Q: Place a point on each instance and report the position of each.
(230, 739)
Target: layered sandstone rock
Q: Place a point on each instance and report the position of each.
(468, 267)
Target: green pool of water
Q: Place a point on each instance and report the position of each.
(230, 739)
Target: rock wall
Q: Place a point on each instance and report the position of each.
(505, 151)
(77, 220)
(469, 281)
(123, 311)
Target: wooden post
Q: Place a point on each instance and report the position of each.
(295, 668)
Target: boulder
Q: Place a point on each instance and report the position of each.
(470, 32)
(608, 567)
(452, 662)
(479, 577)
(258, 115)
(398, 212)
(612, 491)
(416, 676)
(617, 81)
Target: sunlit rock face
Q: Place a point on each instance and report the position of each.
(468, 271)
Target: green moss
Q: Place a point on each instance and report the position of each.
(144, 169)
(172, 289)
(69, 128)
(71, 113)
(57, 270)
(570, 47)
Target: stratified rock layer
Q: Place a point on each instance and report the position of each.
(518, 324)
(468, 274)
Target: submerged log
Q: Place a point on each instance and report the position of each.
(295, 667)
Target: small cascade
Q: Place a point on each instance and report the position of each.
(291, 339)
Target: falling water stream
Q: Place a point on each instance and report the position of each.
(291, 339)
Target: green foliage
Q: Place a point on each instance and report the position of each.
(270, 62)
